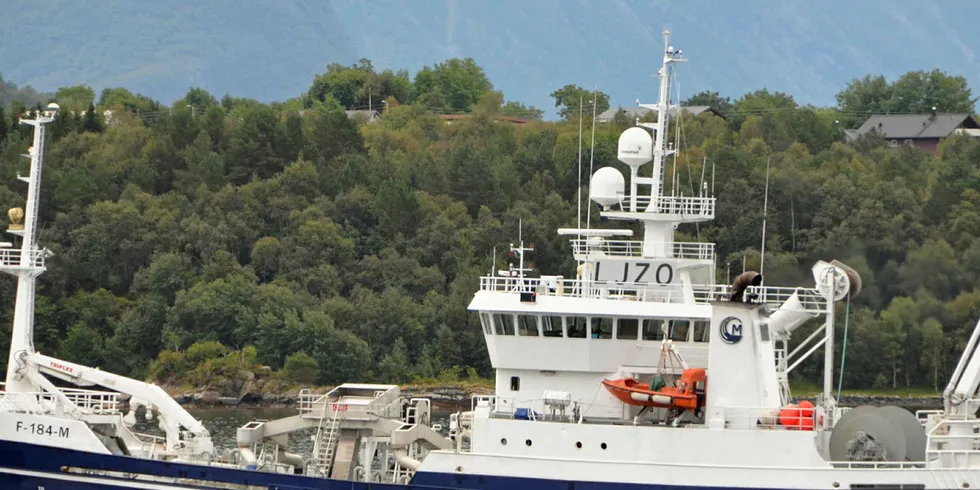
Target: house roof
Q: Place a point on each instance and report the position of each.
(639, 112)
(365, 113)
(914, 126)
(629, 112)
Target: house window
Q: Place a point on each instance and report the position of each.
(515, 383)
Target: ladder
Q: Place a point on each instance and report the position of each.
(326, 440)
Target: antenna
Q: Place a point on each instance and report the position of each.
(595, 98)
(704, 185)
(765, 210)
(712, 178)
(581, 102)
(493, 264)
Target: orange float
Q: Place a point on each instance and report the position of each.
(797, 417)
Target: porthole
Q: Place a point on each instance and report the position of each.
(578, 445)
(603, 445)
(528, 442)
(503, 441)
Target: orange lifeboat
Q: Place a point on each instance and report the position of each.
(686, 395)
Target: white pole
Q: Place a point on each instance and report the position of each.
(765, 210)
(580, 103)
(595, 102)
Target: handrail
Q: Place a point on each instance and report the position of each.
(812, 300)
(11, 257)
(88, 401)
(634, 248)
(688, 206)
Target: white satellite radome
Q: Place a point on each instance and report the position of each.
(607, 186)
(635, 147)
(53, 107)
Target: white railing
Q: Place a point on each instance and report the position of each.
(594, 247)
(684, 206)
(810, 299)
(313, 404)
(150, 444)
(10, 258)
(756, 418)
(84, 401)
(96, 402)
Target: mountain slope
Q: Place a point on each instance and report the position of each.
(271, 49)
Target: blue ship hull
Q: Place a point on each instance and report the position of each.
(36, 467)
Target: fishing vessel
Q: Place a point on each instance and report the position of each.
(639, 372)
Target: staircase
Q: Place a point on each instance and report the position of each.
(326, 441)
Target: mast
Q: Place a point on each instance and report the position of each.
(28, 262)
(662, 107)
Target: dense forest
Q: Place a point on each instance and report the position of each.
(192, 240)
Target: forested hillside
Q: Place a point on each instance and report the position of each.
(195, 239)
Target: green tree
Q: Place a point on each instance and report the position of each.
(75, 98)
(453, 85)
(301, 368)
(570, 97)
(516, 109)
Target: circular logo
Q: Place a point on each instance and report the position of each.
(731, 330)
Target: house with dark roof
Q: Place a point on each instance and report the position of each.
(633, 113)
(923, 131)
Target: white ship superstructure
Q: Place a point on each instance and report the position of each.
(638, 373)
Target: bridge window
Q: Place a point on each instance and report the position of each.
(504, 324)
(527, 325)
(515, 383)
(552, 326)
(679, 329)
(576, 327)
(653, 329)
(702, 330)
(627, 328)
(485, 322)
(602, 327)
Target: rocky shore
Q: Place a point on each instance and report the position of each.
(441, 396)
(910, 402)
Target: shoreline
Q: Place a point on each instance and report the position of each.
(447, 397)
(455, 397)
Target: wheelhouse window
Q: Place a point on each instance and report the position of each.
(702, 330)
(627, 328)
(577, 327)
(486, 323)
(551, 326)
(653, 329)
(503, 324)
(602, 327)
(527, 325)
(679, 330)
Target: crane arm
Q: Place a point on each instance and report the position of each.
(172, 414)
(966, 378)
